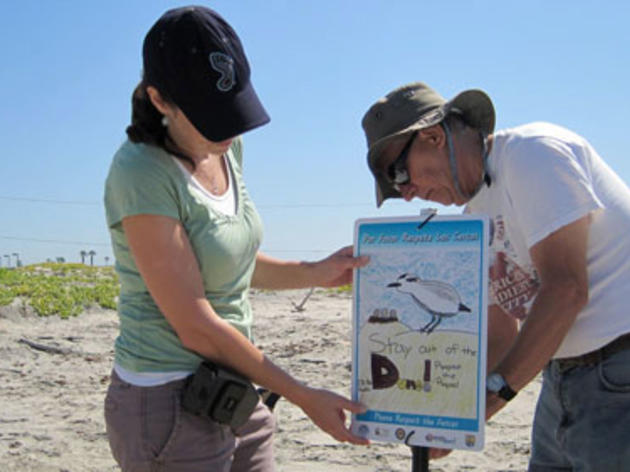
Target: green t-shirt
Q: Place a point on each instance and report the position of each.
(145, 180)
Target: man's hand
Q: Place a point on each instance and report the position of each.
(435, 453)
(494, 403)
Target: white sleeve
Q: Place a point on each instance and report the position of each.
(547, 186)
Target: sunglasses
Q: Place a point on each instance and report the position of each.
(397, 172)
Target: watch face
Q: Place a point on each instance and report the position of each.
(495, 382)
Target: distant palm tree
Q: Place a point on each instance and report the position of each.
(17, 259)
(106, 260)
(60, 260)
(92, 253)
(83, 255)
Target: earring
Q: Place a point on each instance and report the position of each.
(164, 121)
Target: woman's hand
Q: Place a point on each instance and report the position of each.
(333, 271)
(327, 410)
(336, 269)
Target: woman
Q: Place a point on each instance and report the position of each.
(186, 235)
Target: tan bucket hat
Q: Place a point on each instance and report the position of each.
(413, 107)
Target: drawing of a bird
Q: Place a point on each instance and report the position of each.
(439, 299)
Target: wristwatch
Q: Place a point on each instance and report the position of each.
(496, 384)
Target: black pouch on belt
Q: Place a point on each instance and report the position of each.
(219, 393)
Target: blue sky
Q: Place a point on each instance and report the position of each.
(68, 69)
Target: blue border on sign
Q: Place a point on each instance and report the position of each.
(425, 421)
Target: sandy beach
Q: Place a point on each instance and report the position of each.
(54, 374)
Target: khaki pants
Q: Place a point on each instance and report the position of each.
(148, 431)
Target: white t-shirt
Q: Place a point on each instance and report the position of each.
(225, 203)
(543, 178)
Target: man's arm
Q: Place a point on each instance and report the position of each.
(502, 331)
(560, 260)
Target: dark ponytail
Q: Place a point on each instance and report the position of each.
(146, 122)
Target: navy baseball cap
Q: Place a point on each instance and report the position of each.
(193, 56)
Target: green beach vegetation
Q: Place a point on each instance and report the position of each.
(342, 289)
(59, 289)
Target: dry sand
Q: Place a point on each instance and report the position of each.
(51, 401)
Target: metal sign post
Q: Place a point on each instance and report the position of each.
(419, 459)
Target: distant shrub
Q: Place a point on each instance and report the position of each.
(60, 289)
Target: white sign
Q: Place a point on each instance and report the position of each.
(420, 330)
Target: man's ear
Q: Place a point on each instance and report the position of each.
(157, 100)
(433, 135)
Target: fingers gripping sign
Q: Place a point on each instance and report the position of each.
(327, 411)
(336, 269)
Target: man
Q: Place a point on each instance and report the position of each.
(561, 260)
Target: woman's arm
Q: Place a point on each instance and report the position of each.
(165, 259)
(333, 271)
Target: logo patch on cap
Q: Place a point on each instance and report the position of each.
(223, 64)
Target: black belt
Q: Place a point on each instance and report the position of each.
(594, 357)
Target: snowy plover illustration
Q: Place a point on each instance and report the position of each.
(439, 299)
